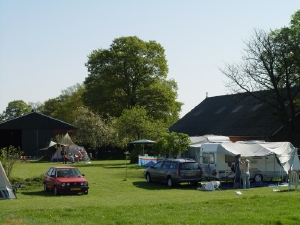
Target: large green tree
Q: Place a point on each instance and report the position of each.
(65, 106)
(271, 62)
(132, 72)
(135, 124)
(15, 109)
(172, 144)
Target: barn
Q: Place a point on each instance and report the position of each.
(31, 132)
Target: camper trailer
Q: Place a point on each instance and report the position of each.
(268, 160)
(193, 151)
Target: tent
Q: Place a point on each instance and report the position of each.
(73, 149)
(6, 190)
(66, 140)
(69, 147)
(143, 142)
(285, 152)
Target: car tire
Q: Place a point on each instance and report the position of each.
(170, 182)
(257, 178)
(56, 193)
(45, 187)
(148, 177)
(86, 192)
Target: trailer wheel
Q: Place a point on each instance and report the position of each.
(258, 178)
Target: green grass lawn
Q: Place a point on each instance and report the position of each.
(115, 198)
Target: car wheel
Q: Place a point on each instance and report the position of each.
(86, 192)
(45, 187)
(148, 177)
(55, 191)
(169, 182)
(258, 178)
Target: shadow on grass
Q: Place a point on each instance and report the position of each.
(162, 186)
(46, 193)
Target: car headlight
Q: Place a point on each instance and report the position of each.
(63, 184)
(84, 183)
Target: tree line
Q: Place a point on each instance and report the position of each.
(127, 96)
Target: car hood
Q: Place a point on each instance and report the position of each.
(71, 179)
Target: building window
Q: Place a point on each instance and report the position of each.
(256, 107)
(220, 110)
(237, 108)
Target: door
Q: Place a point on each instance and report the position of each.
(208, 164)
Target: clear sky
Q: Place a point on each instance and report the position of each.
(44, 44)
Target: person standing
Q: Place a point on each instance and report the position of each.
(245, 172)
(62, 153)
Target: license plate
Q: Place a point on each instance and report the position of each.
(75, 189)
(191, 174)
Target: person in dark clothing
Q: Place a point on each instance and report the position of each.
(66, 159)
(62, 153)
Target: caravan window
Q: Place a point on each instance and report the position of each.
(229, 159)
(208, 158)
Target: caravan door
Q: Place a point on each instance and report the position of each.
(208, 165)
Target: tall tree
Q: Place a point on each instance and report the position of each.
(136, 124)
(131, 73)
(15, 109)
(271, 62)
(65, 106)
(172, 143)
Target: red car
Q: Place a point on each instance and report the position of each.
(65, 180)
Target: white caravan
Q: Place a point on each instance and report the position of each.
(268, 160)
(193, 151)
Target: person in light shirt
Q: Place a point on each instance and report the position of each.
(245, 172)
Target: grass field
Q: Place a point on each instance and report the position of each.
(117, 198)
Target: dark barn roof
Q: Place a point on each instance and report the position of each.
(31, 132)
(229, 115)
(35, 120)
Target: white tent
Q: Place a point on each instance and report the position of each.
(73, 149)
(285, 152)
(69, 147)
(6, 190)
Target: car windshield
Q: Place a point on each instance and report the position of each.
(68, 172)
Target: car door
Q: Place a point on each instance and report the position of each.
(164, 171)
(52, 178)
(156, 170)
(47, 177)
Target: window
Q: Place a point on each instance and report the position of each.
(220, 110)
(208, 158)
(229, 159)
(158, 165)
(256, 107)
(173, 165)
(237, 108)
(189, 166)
(166, 165)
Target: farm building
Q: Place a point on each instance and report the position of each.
(239, 116)
(32, 132)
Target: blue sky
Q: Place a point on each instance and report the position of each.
(44, 44)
